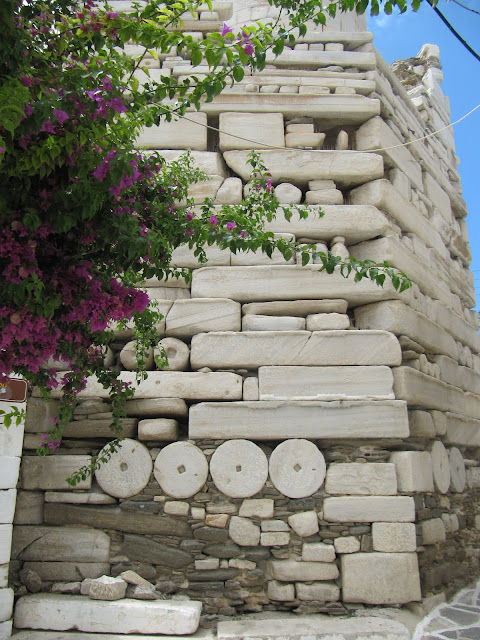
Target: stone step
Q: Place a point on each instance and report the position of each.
(201, 634)
(314, 628)
(63, 613)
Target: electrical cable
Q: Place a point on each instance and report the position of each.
(260, 145)
(453, 30)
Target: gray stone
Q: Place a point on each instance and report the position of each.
(292, 571)
(457, 470)
(68, 571)
(318, 591)
(142, 549)
(252, 322)
(261, 508)
(394, 537)
(181, 469)
(72, 588)
(115, 519)
(280, 592)
(104, 588)
(60, 543)
(318, 552)
(304, 524)
(243, 532)
(84, 497)
(157, 407)
(287, 193)
(414, 471)
(29, 507)
(369, 509)
(160, 429)
(421, 424)
(274, 539)
(433, 531)
(393, 578)
(239, 468)
(359, 479)
(327, 321)
(127, 471)
(62, 613)
(347, 544)
(51, 472)
(31, 580)
(297, 468)
(440, 466)
(177, 134)
(131, 577)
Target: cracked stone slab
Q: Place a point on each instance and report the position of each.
(253, 349)
(272, 420)
(62, 613)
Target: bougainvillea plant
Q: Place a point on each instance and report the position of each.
(85, 216)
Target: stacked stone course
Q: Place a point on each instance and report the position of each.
(313, 445)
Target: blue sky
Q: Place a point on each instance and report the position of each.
(402, 36)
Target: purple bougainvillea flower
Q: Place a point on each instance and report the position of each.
(60, 115)
(213, 220)
(226, 29)
(231, 226)
(249, 50)
(2, 150)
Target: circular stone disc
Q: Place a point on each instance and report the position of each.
(297, 468)
(128, 470)
(239, 468)
(457, 470)
(181, 469)
(441, 466)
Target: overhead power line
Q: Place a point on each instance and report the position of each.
(464, 6)
(454, 31)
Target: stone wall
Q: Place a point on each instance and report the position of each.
(313, 445)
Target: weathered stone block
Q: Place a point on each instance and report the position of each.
(380, 578)
(188, 317)
(252, 322)
(346, 168)
(369, 509)
(325, 383)
(318, 591)
(263, 283)
(52, 472)
(262, 127)
(414, 471)
(60, 543)
(261, 508)
(355, 478)
(318, 552)
(254, 349)
(355, 223)
(397, 317)
(433, 531)
(304, 524)
(68, 571)
(280, 592)
(176, 384)
(61, 613)
(6, 604)
(394, 537)
(244, 532)
(177, 134)
(292, 571)
(279, 420)
(376, 134)
(347, 544)
(163, 429)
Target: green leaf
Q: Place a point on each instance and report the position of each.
(238, 74)
(196, 56)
